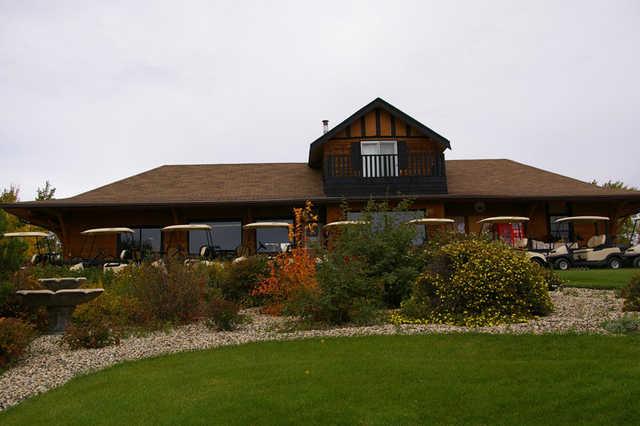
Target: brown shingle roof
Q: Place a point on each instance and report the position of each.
(212, 183)
(510, 179)
(270, 182)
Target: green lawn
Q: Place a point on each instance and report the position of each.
(598, 278)
(466, 378)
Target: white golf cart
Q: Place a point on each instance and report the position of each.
(206, 251)
(270, 246)
(44, 243)
(510, 229)
(599, 250)
(100, 258)
(632, 254)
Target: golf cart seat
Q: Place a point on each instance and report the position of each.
(594, 242)
(125, 255)
(205, 252)
(521, 243)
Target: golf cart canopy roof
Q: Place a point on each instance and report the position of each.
(346, 222)
(257, 225)
(505, 219)
(97, 231)
(582, 219)
(431, 221)
(188, 227)
(26, 234)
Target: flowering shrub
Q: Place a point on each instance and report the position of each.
(631, 294)
(291, 274)
(554, 281)
(15, 336)
(477, 283)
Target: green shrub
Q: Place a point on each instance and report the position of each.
(8, 299)
(477, 283)
(171, 294)
(237, 280)
(223, 314)
(15, 336)
(345, 292)
(387, 249)
(626, 324)
(631, 294)
(102, 321)
(94, 333)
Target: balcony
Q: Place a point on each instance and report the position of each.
(384, 174)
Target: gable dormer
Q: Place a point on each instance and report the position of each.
(380, 150)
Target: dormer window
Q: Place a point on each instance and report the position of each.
(379, 158)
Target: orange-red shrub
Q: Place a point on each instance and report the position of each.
(290, 273)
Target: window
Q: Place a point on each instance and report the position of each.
(559, 231)
(272, 240)
(145, 240)
(227, 236)
(379, 158)
(396, 218)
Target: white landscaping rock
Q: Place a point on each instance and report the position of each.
(48, 364)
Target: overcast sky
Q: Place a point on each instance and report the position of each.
(95, 91)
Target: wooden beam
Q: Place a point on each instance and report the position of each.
(176, 216)
(363, 129)
(377, 121)
(393, 125)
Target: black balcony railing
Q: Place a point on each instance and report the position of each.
(386, 174)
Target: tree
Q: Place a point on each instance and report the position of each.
(12, 251)
(46, 193)
(626, 225)
(10, 195)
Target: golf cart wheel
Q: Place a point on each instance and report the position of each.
(636, 262)
(538, 262)
(614, 263)
(562, 264)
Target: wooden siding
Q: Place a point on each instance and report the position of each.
(75, 221)
(341, 143)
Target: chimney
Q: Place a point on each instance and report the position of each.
(325, 126)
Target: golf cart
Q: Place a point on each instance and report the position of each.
(100, 258)
(632, 254)
(598, 252)
(206, 251)
(45, 253)
(267, 246)
(510, 229)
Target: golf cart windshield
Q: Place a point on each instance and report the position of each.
(271, 237)
(508, 229)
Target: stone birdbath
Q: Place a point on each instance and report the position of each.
(60, 299)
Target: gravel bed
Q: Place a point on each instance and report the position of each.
(48, 364)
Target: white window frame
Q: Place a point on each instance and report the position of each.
(376, 169)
